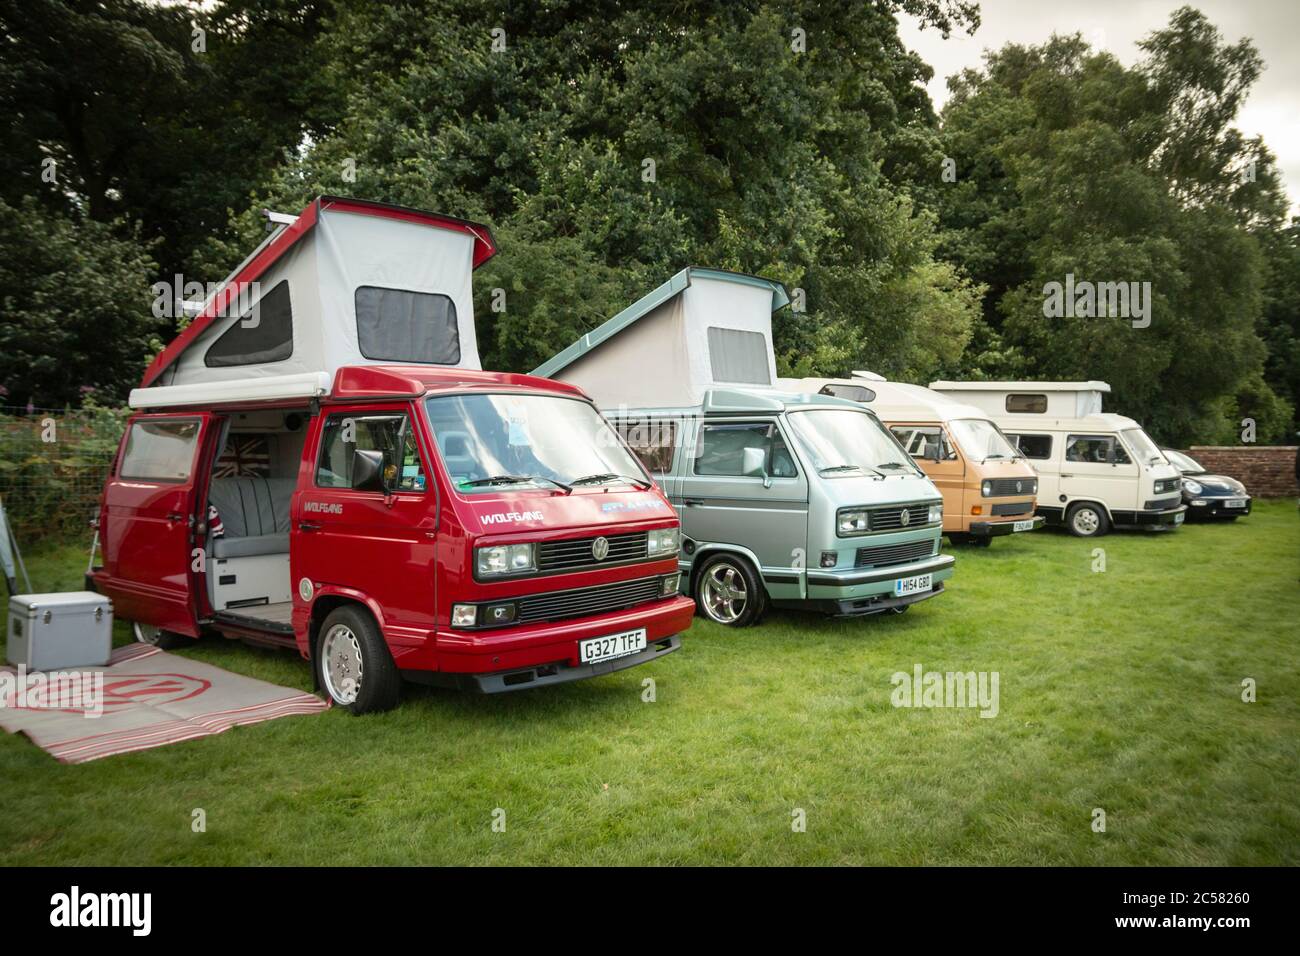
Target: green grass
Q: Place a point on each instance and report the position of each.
(1119, 690)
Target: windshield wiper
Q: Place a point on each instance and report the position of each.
(514, 480)
(610, 476)
(892, 464)
(831, 468)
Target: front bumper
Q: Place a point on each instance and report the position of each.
(1204, 506)
(486, 654)
(1165, 520)
(546, 674)
(997, 529)
(854, 592)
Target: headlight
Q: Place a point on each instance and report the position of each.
(662, 541)
(986, 489)
(505, 559)
(1193, 486)
(936, 512)
(852, 522)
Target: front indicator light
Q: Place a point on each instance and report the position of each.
(669, 584)
(977, 509)
(463, 615)
(661, 542)
(829, 559)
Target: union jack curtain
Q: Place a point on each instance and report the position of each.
(245, 456)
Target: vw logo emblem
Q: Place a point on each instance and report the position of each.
(1018, 486)
(600, 549)
(905, 518)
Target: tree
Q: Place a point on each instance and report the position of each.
(1072, 166)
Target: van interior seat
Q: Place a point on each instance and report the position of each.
(254, 513)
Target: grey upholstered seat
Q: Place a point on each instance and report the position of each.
(255, 514)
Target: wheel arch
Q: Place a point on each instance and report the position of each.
(706, 551)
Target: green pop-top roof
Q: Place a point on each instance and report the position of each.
(651, 301)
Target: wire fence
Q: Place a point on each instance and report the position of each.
(53, 463)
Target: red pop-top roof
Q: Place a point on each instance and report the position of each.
(357, 383)
(484, 249)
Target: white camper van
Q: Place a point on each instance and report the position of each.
(784, 498)
(1096, 470)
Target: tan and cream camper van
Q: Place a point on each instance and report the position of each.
(988, 488)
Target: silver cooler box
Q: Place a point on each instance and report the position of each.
(60, 631)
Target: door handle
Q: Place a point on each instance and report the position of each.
(175, 516)
(1065, 476)
(692, 502)
(308, 526)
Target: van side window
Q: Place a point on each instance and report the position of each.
(924, 442)
(394, 325)
(1038, 447)
(1026, 404)
(651, 441)
(388, 433)
(721, 450)
(1099, 449)
(160, 450)
(263, 334)
(854, 393)
(737, 355)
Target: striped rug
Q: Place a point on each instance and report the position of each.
(143, 698)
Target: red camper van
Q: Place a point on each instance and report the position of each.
(399, 515)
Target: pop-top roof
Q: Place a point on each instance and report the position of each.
(345, 282)
(702, 329)
(892, 401)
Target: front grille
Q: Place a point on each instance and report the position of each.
(559, 605)
(891, 519)
(894, 554)
(1013, 508)
(576, 552)
(1005, 487)
(1162, 504)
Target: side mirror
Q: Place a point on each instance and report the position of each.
(368, 470)
(753, 463)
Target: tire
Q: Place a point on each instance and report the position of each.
(157, 637)
(957, 538)
(353, 663)
(983, 541)
(1087, 520)
(728, 591)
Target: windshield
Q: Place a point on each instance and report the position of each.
(843, 440)
(493, 442)
(980, 439)
(1185, 463)
(1144, 449)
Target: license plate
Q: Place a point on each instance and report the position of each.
(1178, 518)
(1023, 525)
(1235, 503)
(905, 586)
(611, 646)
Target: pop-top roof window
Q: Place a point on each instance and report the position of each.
(394, 325)
(738, 356)
(263, 334)
(854, 393)
(1026, 404)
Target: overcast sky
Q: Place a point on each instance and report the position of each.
(1273, 109)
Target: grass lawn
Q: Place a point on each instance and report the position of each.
(1119, 690)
